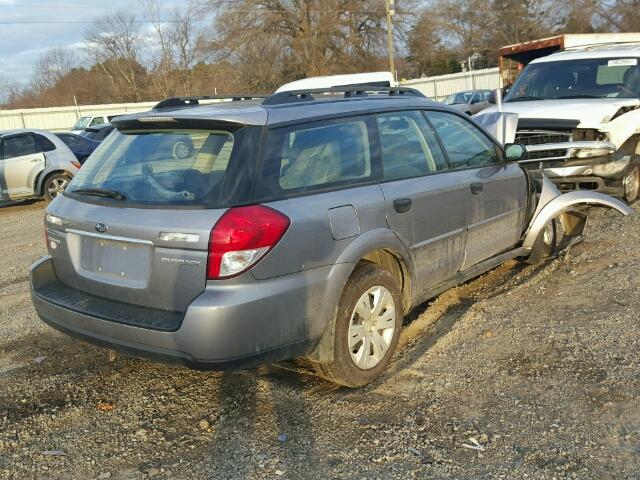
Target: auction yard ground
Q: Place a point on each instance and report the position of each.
(539, 365)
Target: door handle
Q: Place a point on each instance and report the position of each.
(402, 205)
(476, 188)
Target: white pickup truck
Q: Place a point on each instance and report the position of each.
(579, 116)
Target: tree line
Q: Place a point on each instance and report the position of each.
(214, 46)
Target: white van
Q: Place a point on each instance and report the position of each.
(377, 79)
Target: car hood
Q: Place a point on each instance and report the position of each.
(590, 112)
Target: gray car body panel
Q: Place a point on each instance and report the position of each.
(285, 304)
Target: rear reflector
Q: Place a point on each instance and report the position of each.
(241, 237)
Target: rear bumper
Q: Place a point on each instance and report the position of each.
(227, 326)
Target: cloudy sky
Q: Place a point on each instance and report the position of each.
(30, 27)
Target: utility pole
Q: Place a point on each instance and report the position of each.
(391, 10)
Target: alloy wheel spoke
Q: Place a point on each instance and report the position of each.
(356, 335)
(386, 320)
(379, 345)
(363, 309)
(362, 356)
(379, 301)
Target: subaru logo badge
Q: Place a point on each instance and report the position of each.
(101, 227)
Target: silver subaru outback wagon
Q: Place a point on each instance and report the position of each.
(304, 224)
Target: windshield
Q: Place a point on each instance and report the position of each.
(588, 78)
(157, 166)
(81, 123)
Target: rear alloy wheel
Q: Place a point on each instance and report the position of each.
(631, 184)
(367, 328)
(55, 185)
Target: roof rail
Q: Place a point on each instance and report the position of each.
(175, 102)
(349, 91)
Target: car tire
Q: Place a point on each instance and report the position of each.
(367, 327)
(54, 185)
(631, 185)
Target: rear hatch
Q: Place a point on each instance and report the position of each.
(134, 224)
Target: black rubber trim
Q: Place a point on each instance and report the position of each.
(47, 287)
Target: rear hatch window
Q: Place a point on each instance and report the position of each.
(158, 167)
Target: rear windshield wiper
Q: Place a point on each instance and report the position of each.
(101, 192)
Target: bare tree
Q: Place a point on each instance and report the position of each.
(619, 15)
(115, 43)
(178, 47)
(52, 66)
(289, 39)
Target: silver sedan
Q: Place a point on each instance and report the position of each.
(469, 102)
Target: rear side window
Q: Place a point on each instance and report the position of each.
(409, 146)
(44, 144)
(315, 156)
(96, 121)
(160, 166)
(18, 146)
(465, 144)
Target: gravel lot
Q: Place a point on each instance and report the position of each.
(538, 365)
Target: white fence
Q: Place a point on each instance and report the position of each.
(62, 118)
(438, 88)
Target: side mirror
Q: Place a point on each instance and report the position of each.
(514, 151)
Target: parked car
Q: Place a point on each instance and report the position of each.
(98, 133)
(469, 102)
(81, 147)
(33, 164)
(91, 121)
(305, 224)
(579, 117)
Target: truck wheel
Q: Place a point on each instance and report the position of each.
(54, 185)
(631, 184)
(367, 328)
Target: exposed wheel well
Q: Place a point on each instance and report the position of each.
(393, 263)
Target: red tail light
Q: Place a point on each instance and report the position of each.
(241, 237)
(76, 164)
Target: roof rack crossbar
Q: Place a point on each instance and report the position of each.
(348, 91)
(175, 102)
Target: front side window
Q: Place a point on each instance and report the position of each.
(586, 78)
(409, 146)
(159, 166)
(466, 145)
(315, 156)
(18, 146)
